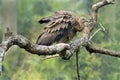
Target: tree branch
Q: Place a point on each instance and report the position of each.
(80, 42)
(98, 5)
(95, 49)
(23, 42)
(87, 30)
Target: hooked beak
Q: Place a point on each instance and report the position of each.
(84, 19)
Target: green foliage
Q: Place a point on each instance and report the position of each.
(19, 65)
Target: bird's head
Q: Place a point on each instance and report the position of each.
(81, 22)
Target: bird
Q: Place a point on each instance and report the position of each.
(61, 27)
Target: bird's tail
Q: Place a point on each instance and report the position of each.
(43, 20)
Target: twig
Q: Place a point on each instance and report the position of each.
(49, 57)
(94, 34)
(77, 64)
(103, 28)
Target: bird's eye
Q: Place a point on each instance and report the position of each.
(84, 19)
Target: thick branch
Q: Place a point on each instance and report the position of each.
(95, 49)
(22, 42)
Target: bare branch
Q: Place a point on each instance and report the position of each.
(23, 42)
(95, 49)
(98, 5)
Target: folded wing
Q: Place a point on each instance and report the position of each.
(57, 27)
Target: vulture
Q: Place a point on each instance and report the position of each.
(61, 27)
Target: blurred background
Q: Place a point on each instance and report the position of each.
(22, 16)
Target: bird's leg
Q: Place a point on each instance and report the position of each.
(77, 63)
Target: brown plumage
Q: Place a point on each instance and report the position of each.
(61, 27)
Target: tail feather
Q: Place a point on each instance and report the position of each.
(43, 20)
(45, 39)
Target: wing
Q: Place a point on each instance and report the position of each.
(49, 38)
(59, 21)
(58, 28)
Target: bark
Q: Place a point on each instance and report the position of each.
(95, 49)
(26, 44)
